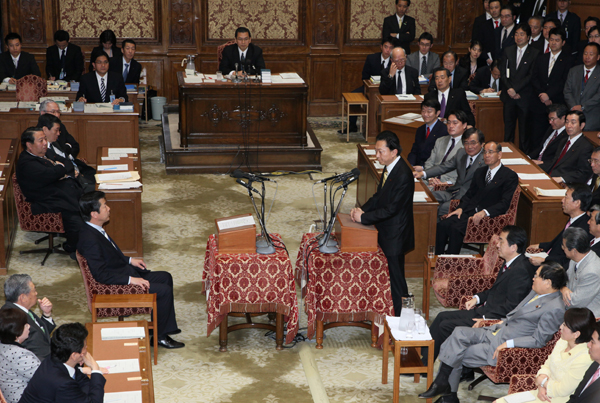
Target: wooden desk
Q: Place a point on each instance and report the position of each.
(425, 214)
(593, 138)
(11, 96)
(115, 350)
(125, 225)
(119, 129)
(9, 220)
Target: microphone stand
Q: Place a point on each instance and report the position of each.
(324, 246)
(235, 78)
(331, 242)
(264, 245)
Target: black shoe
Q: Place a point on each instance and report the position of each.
(467, 375)
(168, 342)
(451, 398)
(73, 256)
(435, 390)
(176, 331)
(353, 129)
(412, 375)
(68, 248)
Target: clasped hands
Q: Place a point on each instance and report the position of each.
(355, 214)
(139, 263)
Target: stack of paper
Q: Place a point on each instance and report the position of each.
(7, 106)
(27, 105)
(406, 97)
(399, 121)
(550, 192)
(55, 99)
(533, 177)
(104, 107)
(423, 80)
(370, 152)
(515, 161)
(291, 78)
(411, 116)
(122, 333)
(471, 96)
(121, 151)
(490, 95)
(420, 197)
(542, 255)
(120, 366)
(120, 185)
(193, 79)
(118, 167)
(123, 397)
(375, 79)
(236, 222)
(266, 76)
(130, 176)
(506, 150)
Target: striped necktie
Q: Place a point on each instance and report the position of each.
(102, 89)
(125, 72)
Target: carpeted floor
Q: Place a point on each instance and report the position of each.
(178, 216)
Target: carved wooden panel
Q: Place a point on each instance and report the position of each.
(32, 21)
(323, 80)
(325, 22)
(182, 22)
(465, 12)
(352, 73)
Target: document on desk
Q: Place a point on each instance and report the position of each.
(541, 255)
(118, 177)
(471, 96)
(55, 99)
(514, 161)
(8, 104)
(117, 167)
(420, 197)
(120, 185)
(236, 222)
(550, 192)
(105, 107)
(120, 366)
(290, 76)
(122, 333)
(506, 150)
(406, 97)
(490, 95)
(533, 177)
(410, 116)
(27, 105)
(370, 152)
(123, 397)
(399, 120)
(122, 150)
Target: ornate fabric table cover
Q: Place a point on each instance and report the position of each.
(251, 283)
(343, 287)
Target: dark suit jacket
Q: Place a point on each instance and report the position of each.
(494, 197)
(457, 99)
(69, 161)
(73, 62)
(550, 151)
(98, 49)
(390, 209)
(591, 393)
(487, 38)
(372, 66)
(51, 383)
(406, 33)
(555, 246)
(231, 56)
(90, 89)
(67, 141)
(388, 85)
(27, 65)
(478, 26)
(501, 45)
(421, 149)
(526, 9)
(520, 78)
(135, 69)
(38, 341)
(573, 167)
(596, 194)
(596, 247)
(461, 79)
(508, 291)
(572, 25)
(43, 186)
(552, 85)
(482, 80)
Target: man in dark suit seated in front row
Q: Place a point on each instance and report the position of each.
(61, 378)
(99, 85)
(109, 266)
(490, 194)
(589, 387)
(247, 56)
(15, 64)
(399, 78)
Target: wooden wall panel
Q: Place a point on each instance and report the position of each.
(352, 74)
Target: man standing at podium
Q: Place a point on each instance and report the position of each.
(390, 209)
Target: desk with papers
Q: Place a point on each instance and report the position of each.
(58, 95)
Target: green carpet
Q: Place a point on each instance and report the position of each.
(178, 217)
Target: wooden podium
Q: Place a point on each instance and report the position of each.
(236, 240)
(353, 236)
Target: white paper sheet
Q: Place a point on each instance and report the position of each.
(533, 177)
(406, 97)
(122, 150)
(290, 76)
(123, 397)
(120, 185)
(114, 176)
(550, 192)
(399, 120)
(120, 366)
(515, 161)
(122, 333)
(236, 222)
(457, 255)
(490, 95)
(506, 150)
(117, 167)
(419, 197)
(521, 397)
(411, 116)
(370, 152)
(542, 255)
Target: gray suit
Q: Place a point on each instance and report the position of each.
(589, 98)
(585, 283)
(529, 325)
(437, 155)
(414, 60)
(463, 180)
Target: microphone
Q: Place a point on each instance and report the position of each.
(247, 186)
(341, 177)
(251, 177)
(351, 179)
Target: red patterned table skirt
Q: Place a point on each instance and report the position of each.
(343, 287)
(249, 282)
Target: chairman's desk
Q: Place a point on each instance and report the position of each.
(11, 95)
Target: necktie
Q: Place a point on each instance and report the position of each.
(102, 90)
(399, 83)
(109, 240)
(496, 22)
(547, 49)
(470, 163)
(568, 224)
(62, 64)
(125, 72)
(383, 65)
(494, 85)
(504, 37)
(519, 56)
(562, 19)
(423, 65)
(592, 242)
(488, 177)
(428, 132)
(597, 183)
(551, 140)
(15, 61)
(243, 58)
(594, 379)
(385, 175)
(449, 150)
(504, 268)
(562, 154)
(443, 107)
(33, 317)
(587, 76)
(533, 299)
(452, 80)
(552, 61)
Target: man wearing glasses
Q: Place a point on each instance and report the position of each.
(247, 56)
(100, 85)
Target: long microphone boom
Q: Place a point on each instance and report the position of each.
(247, 186)
(341, 177)
(250, 176)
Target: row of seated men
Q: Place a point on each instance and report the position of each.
(65, 60)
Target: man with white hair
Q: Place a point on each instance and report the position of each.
(399, 78)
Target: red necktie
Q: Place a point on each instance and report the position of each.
(562, 154)
(547, 49)
(594, 379)
(428, 132)
(587, 76)
(496, 22)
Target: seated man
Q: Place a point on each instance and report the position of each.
(582, 88)
(399, 78)
(487, 79)
(465, 162)
(61, 378)
(246, 55)
(489, 195)
(459, 77)
(76, 169)
(594, 182)
(102, 85)
(65, 139)
(64, 60)
(427, 135)
(20, 293)
(46, 185)
(594, 224)
(570, 164)
(449, 98)
(400, 26)
(589, 387)
(528, 326)
(583, 284)
(15, 64)
(109, 266)
(575, 204)
(424, 60)
(126, 65)
(545, 151)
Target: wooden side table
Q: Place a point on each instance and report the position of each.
(428, 265)
(356, 104)
(129, 301)
(224, 328)
(409, 363)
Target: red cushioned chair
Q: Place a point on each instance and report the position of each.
(49, 223)
(31, 88)
(220, 53)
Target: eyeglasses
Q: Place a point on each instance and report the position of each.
(490, 152)
(594, 161)
(594, 37)
(471, 143)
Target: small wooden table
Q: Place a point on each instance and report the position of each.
(130, 301)
(355, 104)
(409, 363)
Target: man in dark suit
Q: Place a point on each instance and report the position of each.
(59, 379)
(66, 141)
(459, 76)
(46, 185)
(594, 224)
(543, 44)
(550, 71)
(582, 89)
(594, 183)
(480, 20)
(101, 85)
(546, 149)
(487, 79)
(64, 60)
(530, 325)
(15, 64)
(570, 22)
(570, 164)
(109, 266)
(427, 134)
(588, 24)
(449, 98)
(126, 65)
(489, 195)
(575, 204)
(20, 293)
(400, 26)
(399, 78)
(516, 68)
(505, 37)
(589, 388)
(424, 61)
(390, 209)
(487, 34)
(536, 23)
(247, 56)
